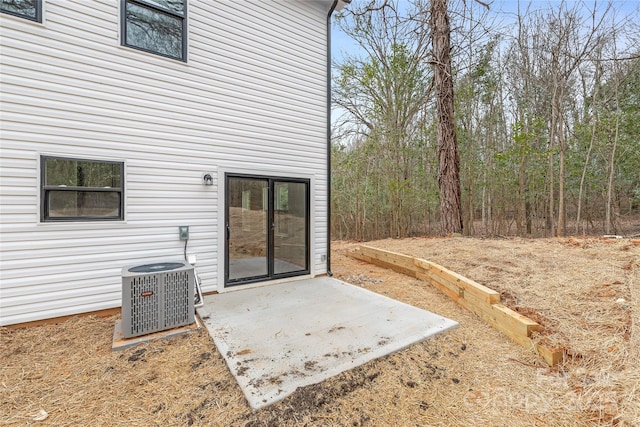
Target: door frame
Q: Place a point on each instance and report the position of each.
(275, 175)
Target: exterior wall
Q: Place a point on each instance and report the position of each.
(251, 96)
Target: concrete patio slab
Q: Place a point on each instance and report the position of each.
(280, 337)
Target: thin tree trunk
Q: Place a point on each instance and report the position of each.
(562, 145)
(448, 156)
(485, 229)
(521, 223)
(608, 219)
(489, 210)
(586, 164)
(551, 170)
(551, 208)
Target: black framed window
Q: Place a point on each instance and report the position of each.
(29, 9)
(81, 190)
(156, 26)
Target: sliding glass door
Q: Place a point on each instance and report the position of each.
(267, 228)
(247, 231)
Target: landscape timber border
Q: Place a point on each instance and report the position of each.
(471, 295)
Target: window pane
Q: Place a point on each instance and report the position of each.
(26, 8)
(82, 173)
(154, 31)
(281, 199)
(76, 204)
(290, 218)
(247, 227)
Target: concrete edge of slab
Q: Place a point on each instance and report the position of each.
(260, 399)
(380, 352)
(121, 343)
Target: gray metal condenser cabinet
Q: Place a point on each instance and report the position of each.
(156, 297)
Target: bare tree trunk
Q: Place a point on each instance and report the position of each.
(553, 135)
(521, 223)
(568, 47)
(551, 211)
(485, 229)
(608, 224)
(551, 172)
(470, 211)
(562, 146)
(591, 142)
(448, 156)
(489, 209)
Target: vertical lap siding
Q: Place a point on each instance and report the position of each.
(252, 93)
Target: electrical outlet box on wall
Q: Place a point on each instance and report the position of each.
(184, 232)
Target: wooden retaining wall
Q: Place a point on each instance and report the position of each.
(473, 296)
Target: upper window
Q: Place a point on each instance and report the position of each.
(156, 26)
(29, 9)
(81, 190)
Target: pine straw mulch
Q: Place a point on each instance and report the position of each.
(469, 376)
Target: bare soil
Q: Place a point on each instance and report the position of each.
(585, 292)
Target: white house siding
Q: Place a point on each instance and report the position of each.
(252, 96)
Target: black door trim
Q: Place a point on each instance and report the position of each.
(271, 179)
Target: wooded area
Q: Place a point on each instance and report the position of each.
(547, 114)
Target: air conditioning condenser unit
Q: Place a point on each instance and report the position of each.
(156, 297)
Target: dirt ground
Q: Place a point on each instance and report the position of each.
(585, 292)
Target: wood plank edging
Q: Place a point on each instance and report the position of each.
(477, 298)
(468, 285)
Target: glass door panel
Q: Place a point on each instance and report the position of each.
(247, 228)
(290, 246)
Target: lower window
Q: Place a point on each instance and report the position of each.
(81, 190)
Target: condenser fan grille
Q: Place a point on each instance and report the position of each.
(175, 297)
(144, 311)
